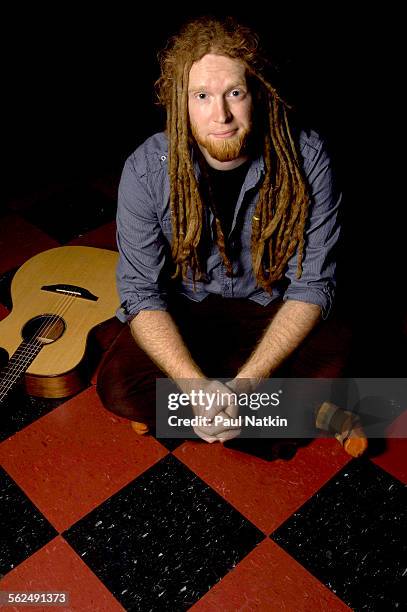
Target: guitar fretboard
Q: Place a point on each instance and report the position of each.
(12, 373)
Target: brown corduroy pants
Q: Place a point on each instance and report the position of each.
(220, 333)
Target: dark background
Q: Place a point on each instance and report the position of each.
(79, 99)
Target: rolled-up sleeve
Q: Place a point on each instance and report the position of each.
(141, 246)
(317, 283)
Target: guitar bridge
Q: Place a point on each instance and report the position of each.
(72, 290)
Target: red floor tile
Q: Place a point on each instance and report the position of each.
(394, 459)
(19, 241)
(57, 568)
(266, 492)
(104, 237)
(269, 580)
(75, 457)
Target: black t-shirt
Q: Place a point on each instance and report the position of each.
(225, 190)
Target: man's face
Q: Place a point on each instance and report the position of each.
(220, 109)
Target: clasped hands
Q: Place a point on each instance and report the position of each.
(212, 398)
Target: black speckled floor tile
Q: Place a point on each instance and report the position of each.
(24, 529)
(164, 540)
(72, 212)
(19, 410)
(351, 536)
(171, 443)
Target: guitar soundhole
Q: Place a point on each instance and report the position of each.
(45, 328)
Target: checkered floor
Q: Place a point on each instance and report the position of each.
(122, 522)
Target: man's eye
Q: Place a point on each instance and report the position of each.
(201, 96)
(235, 93)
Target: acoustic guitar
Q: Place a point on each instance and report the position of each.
(58, 296)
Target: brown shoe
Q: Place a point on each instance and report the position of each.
(352, 437)
(139, 428)
(345, 426)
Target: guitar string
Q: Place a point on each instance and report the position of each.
(46, 327)
(24, 357)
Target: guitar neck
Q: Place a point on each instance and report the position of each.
(13, 372)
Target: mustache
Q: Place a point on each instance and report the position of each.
(224, 150)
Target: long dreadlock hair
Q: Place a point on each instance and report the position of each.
(278, 223)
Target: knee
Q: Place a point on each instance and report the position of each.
(124, 395)
(111, 392)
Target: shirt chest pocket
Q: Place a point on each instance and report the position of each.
(166, 226)
(243, 227)
(246, 227)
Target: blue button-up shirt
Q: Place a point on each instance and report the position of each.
(144, 234)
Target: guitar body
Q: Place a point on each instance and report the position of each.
(48, 310)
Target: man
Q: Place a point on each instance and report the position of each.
(227, 225)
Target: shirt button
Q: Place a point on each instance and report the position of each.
(163, 157)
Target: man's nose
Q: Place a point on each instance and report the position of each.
(221, 111)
